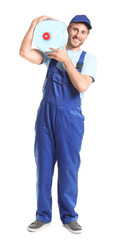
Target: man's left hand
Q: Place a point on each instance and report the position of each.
(59, 54)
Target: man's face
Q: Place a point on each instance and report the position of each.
(78, 33)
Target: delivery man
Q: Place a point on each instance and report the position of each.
(59, 126)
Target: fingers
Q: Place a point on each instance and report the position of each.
(50, 54)
(41, 18)
(44, 18)
(52, 18)
(54, 49)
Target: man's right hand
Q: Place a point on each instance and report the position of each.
(39, 19)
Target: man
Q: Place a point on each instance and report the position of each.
(59, 126)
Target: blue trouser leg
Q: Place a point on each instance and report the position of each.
(69, 134)
(59, 133)
(45, 161)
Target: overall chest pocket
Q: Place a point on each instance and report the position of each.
(62, 79)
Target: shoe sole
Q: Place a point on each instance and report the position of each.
(76, 232)
(38, 229)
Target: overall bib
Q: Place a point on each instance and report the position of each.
(59, 130)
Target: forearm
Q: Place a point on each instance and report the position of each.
(27, 40)
(79, 81)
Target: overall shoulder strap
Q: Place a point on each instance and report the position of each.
(52, 64)
(80, 63)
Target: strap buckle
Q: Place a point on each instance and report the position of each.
(79, 65)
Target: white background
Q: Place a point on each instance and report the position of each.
(100, 198)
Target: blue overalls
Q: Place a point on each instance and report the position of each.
(59, 130)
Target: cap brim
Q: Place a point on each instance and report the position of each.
(87, 24)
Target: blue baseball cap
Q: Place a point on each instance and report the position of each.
(83, 19)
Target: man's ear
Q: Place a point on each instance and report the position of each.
(88, 34)
(68, 27)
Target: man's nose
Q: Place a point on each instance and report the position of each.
(78, 34)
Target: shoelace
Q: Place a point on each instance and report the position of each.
(76, 223)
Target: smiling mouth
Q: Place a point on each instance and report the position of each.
(76, 40)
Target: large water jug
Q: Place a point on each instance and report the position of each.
(50, 33)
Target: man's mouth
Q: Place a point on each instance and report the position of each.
(76, 40)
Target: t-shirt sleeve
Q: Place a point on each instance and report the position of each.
(90, 66)
(46, 60)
